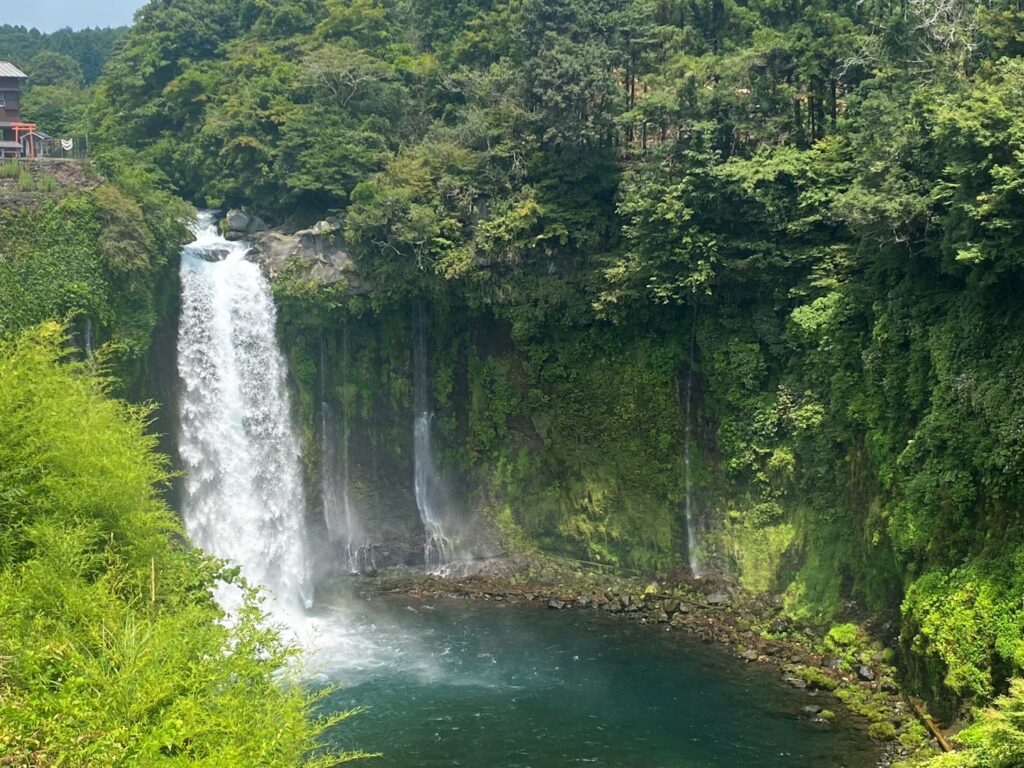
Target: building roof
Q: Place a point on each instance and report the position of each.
(9, 70)
(10, 145)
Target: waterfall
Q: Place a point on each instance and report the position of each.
(691, 523)
(243, 479)
(438, 550)
(340, 514)
(87, 337)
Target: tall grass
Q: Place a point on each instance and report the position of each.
(10, 169)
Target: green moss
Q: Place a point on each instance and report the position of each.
(913, 735)
(758, 552)
(873, 705)
(968, 623)
(817, 679)
(882, 731)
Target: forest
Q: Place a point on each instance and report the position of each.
(797, 225)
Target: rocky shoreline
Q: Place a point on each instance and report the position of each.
(844, 669)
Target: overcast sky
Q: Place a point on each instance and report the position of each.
(49, 15)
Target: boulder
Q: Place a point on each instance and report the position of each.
(749, 654)
(256, 224)
(717, 598)
(237, 221)
(210, 254)
(556, 604)
(315, 255)
(865, 673)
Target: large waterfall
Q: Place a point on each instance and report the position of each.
(244, 497)
(438, 549)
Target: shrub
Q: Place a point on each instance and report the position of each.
(113, 649)
(882, 731)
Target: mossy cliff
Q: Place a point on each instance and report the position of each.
(572, 444)
(98, 254)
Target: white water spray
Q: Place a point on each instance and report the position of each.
(438, 548)
(244, 497)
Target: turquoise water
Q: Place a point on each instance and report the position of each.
(486, 685)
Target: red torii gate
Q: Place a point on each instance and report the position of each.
(29, 130)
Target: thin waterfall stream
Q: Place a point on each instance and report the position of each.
(340, 514)
(438, 548)
(692, 544)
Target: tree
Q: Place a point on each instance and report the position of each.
(50, 68)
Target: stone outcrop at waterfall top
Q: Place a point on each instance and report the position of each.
(316, 255)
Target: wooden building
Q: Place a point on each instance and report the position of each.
(16, 137)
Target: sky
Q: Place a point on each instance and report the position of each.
(50, 15)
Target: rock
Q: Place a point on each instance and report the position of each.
(812, 709)
(865, 673)
(556, 604)
(717, 598)
(662, 618)
(683, 608)
(779, 626)
(749, 654)
(236, 221)
(210, 254)
(832, 663)
(322, 228)
(614, 606)
(632, 606)
(796, 682)
(256, 224)
(314, 255)
(583, 601)
(670, 606)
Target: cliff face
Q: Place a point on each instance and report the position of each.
(27, 182)
(573, 443)
(316, 256)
